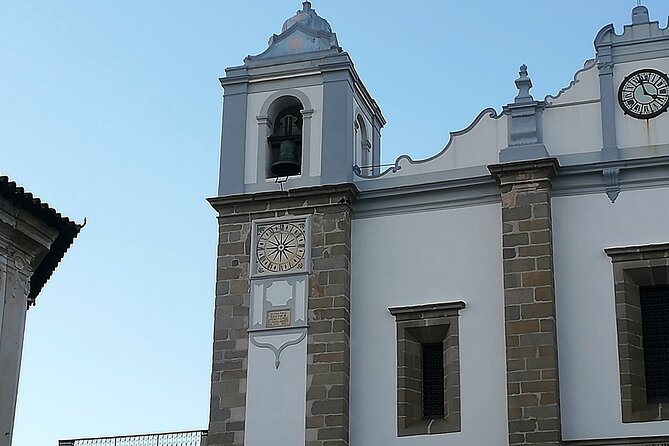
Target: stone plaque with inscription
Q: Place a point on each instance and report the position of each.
(278, 318)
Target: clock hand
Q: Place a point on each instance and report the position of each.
(643, 87)
(654, 96)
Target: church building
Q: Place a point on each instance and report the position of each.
(512, 289)
(34, 238)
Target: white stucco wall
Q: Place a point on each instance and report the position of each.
(276, 397)
(583, 88)
(572, 120)
(573, 129)
(478, 146)
(589, 382)
(420, 258)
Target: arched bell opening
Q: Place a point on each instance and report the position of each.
(285, 141)
(363, 147)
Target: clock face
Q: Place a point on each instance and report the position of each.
(644, 94)
(281, 247)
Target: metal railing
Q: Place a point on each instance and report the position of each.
(189, 438)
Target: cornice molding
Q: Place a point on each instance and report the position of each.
(465, 187)
(427, 311)
(639, 252)
(305, 197)
(517, 171)
(472, 187)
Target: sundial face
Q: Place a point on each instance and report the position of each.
(281, 247)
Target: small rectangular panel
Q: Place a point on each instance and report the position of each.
(279, 302)
(257, 296)
(301, 301)
(278, 318)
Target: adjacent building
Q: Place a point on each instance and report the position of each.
(33, 240)
(512, 289)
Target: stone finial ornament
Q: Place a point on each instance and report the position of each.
(305, 32)
(640, 15)
(525, 129)
(523, 84)
(307, 16)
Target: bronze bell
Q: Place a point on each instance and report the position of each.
(288, 161)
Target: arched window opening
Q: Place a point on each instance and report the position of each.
(363, 146)
(285, 142)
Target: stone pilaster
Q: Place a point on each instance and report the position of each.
(231, 322)
(328, 357)
(533, 395)
(15, 272)
(328, 351)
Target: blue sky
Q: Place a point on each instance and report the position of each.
(110, 111)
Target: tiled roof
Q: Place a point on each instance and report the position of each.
(67, 231)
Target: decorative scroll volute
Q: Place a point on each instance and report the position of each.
(18, 274)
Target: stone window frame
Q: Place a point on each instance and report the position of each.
(416, 326)
(635, 267)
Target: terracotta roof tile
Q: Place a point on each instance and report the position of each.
(67, 231)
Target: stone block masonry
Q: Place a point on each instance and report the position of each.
(328, 348)
(533, 397)
(231, 320)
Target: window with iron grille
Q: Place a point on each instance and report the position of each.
(641, 276)
(433, 381)
(655, 317)
(428, 368)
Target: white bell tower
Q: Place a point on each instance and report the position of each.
(298, 124)
(297, 112)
